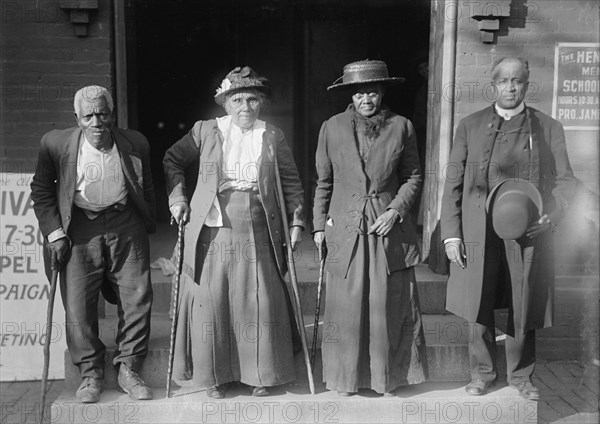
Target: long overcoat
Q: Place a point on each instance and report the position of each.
(464, 214)
(199, 156)
(390, 179)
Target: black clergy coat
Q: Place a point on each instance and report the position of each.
(463, 214)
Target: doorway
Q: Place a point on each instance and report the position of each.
(183, 49)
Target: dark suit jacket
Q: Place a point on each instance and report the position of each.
(463, 210)
(391, 175)
(201, 150)
(53, 185)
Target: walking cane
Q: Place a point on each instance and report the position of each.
(294, 281)
(180, 232)
(49, 312)
(322, 255)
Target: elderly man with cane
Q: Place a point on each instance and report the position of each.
(94, 199)
(512, 186)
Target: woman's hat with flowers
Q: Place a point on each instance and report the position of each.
(240, 79)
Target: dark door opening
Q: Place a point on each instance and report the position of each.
(184, 48)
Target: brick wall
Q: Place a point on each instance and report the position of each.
(531, 31)
(43, 64)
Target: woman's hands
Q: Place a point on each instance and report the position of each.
(179, 211)
(295, 236)
(384, 223)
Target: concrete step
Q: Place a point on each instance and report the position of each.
(446, 340)
(431, 288)
(423, 403)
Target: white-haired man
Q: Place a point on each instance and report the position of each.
(94, 200)
(491, 270)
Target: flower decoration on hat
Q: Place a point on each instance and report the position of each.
(238, 79)
(225, 86)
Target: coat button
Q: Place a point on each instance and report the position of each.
(490, 125)
(489, 133)
(478, 194)
(486, 150)
(272, 216)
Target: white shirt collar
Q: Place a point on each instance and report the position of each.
(88, 145)
(509, 113)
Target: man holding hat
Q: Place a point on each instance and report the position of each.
(509, 181)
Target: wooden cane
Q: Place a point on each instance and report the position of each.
(294, 281)
(49, 312)
(322, 255)
(180, 233)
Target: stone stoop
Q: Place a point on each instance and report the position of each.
(431, 288)
(424, 403)
(441, 400)
(446, 338)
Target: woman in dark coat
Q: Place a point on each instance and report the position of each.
(368, 178)
(234, 321)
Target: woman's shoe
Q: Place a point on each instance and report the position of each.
(215, 392)
(260, 391)
(344, 394)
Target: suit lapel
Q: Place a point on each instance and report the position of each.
(212, 155)
(348, 148)
(125, 151)
(68, 165)
(266, 160)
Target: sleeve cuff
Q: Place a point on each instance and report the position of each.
(400, 217)
(56, 234)
(448, 240)
(177, 199)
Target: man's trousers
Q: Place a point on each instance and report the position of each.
(113, 249)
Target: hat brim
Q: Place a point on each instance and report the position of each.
(384, 81)
(510, 207)
(220, 98)
(525, 186)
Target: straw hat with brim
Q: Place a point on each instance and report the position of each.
(365, 72)
(241, 79)
(514, 205)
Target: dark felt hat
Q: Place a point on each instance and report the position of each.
(240, 79)
(365, 72)
(514, 205)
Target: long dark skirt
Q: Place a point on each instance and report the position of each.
(372, 330)
(233, 323)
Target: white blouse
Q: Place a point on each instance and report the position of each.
(241, 152)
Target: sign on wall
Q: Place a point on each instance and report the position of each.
(576, 85)
(24, 289)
